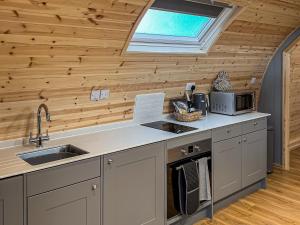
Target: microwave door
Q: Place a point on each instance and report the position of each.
(243, 103)
(248, 101)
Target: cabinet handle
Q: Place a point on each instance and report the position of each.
(94, 187)
(240, 142)
(255, 123)
(109, 162)
(245, 139)
(228, 131)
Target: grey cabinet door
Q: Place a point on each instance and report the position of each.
(227, 167)
(254, 155)
(78, 204)
(134, 186)
(11, 201)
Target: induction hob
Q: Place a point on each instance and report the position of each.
(169, 127)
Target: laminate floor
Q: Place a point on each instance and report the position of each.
(279, 204)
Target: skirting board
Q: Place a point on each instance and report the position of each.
(244, 192)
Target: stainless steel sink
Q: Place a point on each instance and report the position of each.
(51, 154)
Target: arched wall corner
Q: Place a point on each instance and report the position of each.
(271, 98)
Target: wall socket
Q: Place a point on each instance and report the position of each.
(104, 94)
(97, 94)
(253, 80)
(188, 86)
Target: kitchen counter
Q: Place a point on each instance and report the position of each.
(110, 141)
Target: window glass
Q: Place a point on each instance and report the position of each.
(159, 22)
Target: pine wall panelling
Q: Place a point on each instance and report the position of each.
(291, 109)
(55, 51)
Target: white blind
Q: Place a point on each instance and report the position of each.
(194, 7)
(211, 2)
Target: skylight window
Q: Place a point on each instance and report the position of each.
(158, 22)
(180, 26)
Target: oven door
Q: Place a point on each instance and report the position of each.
(244, 102)
(173, 213)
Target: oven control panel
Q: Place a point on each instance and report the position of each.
(189, 150)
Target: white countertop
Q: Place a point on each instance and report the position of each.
(110, 141)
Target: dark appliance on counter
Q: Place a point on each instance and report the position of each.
(177, 157)
(201, 103)
(232, 103)
(169, 127)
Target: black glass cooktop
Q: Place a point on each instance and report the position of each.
(169, 127)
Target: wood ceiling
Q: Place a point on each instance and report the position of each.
(55, 51)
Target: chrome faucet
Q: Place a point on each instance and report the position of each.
(38, 140)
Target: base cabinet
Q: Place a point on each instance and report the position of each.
(227, 167)
(239, 157)
(134, 186)
(77, 204)
(254, 157)
(11, 201)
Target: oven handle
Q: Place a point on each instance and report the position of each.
(180, 167)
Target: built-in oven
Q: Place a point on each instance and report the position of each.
(176, 158)
(232, 103)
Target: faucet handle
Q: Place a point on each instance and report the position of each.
(32, 139)
(46, 137)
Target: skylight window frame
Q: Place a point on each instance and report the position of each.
(153, 43)
(156, 38)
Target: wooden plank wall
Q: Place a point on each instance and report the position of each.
(293, 95)
(55, 51)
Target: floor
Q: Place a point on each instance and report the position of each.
(279, 204)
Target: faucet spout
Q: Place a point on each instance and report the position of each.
(38, 140)
(45, 107)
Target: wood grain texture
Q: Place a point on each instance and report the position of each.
(279, 204)
(291, 120)
(56, 51)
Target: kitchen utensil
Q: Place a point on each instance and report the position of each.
(201, 103)
(189, 102)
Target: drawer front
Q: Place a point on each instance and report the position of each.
(254, 125)
(176, 142)
(61, 176)
(226, 132)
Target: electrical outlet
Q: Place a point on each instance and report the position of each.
(95, 95)
(253, 80)
(104, 94)
(188, 86)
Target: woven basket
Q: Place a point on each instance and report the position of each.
(188, 117)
